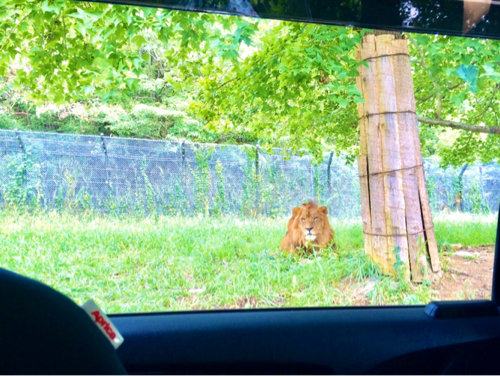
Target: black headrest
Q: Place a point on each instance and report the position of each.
(44, 332)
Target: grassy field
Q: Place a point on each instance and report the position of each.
(138, 265)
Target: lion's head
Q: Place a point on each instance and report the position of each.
(309, 225)
(311, 221)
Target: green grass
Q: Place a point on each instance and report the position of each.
(138, 265)
(465, 229)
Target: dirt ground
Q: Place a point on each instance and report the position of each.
(467, 273)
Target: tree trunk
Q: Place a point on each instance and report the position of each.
(397, 222)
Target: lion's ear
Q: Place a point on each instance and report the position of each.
(295, 212)
(323, 210)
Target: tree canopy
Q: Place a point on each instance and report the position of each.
(282, 83)
(74, 50)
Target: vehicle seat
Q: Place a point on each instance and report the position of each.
(44, 332)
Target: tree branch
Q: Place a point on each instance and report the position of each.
(434, 82)
(64, 31)
(225, 83)
(161, 90)
(15, 28)
(425, 99)
(462, 126)
(496, 115)
(489, 103)
(455, 86)
(153, 98)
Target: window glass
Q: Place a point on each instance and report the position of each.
(159, 160)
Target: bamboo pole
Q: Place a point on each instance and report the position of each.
(376, 190)
(407, 109)
(430, 236)
(365, 203)
(394, 208)
(405, 101)
(363, 174)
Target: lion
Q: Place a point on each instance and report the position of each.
(287, 241)
(307, 228)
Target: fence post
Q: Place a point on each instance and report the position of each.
(184, 175)
(484, 203)
(328, 180)
(19, 140)
(105, 150)
(313, 183)
(23, 150)
(103, 145)
(459, 196)
(257, 193)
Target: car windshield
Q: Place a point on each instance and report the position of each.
(156, 159)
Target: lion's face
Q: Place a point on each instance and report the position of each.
(308, 227)
(311, 220)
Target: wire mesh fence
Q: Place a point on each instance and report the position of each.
(132, 176)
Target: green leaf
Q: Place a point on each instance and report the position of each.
(458, 99)
(489, 71)
(88, 90)
(452, 72)
(354, 91)
(139, 40)
(491, 74)
(50, 8)
(136, 62)
(469, 75)
(343, 102)
(131, 82)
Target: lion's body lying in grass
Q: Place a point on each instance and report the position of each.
(307, 228)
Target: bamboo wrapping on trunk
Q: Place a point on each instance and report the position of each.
(406, 104)
(369, 84)
(391, 154)
(365, 203)
(406, 119)
(426, 208)
(394, 197)
(363, 180)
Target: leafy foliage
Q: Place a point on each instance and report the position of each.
(454, 79)
(281, 83)
(458, 79)
(75, 50)
(300, 86)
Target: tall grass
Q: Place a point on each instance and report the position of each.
(179, 263)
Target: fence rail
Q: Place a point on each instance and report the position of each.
(132, 176)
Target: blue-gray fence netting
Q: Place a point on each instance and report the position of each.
(132, 176)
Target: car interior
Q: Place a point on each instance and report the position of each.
(44, 332)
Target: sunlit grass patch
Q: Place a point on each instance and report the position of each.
(466, 229)
(180, 263)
